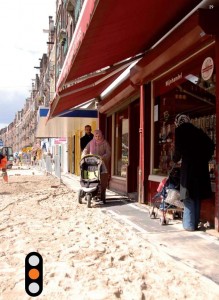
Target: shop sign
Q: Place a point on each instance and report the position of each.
(207, 68)
(60, 141)
(173, 79)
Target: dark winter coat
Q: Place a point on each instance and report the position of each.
(85, 140)
(195, 149)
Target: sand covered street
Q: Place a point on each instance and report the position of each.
(87, 255)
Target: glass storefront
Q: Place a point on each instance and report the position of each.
(121, 143)
(189, 89)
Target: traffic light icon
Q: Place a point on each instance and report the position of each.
(33, 274)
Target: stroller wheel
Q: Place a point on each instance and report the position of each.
(153, 215)
(79, 197)
(175, 215)
(88, 201)
(164, 221)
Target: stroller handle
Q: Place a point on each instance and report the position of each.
(175, 165)
(91, 155)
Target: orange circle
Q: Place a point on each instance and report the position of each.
(34, 274)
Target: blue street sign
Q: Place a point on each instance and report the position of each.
(1, 143)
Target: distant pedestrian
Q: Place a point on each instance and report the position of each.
(3, 167)
(87, 137)
(32, 160)
(49, 153)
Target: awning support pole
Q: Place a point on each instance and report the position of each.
(141, 148)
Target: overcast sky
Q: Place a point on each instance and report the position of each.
(23, 42)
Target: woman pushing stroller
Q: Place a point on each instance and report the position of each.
(99, 146)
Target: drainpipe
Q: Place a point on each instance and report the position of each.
(217, 136)
(141, 148)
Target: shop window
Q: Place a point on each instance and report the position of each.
(121, 143)
(190, 90)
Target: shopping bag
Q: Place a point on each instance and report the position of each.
(173, 198)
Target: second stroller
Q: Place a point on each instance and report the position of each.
(167, 197)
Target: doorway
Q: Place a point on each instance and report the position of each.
(134, 117)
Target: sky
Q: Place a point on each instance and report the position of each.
(23, 42)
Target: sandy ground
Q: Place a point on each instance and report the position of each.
(87, 255)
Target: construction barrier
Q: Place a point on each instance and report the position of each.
(57, 166)
(49, 166)
(41, 165)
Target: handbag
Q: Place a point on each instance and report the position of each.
(173, 198)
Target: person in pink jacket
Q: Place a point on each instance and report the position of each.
(99, 146)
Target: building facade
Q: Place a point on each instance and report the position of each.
(172, 68)
(137, 114)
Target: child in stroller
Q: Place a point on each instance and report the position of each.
(91, 167)
(167, 197)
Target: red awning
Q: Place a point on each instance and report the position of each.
(79, 93)
(109, 32)
(119, 95)
(187, 38)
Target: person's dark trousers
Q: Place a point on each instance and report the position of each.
(103, 182)
(191, 214)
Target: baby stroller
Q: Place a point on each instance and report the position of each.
(91, 167)
(167, 197)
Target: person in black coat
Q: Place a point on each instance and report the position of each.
(194, 149)
(87, 137)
